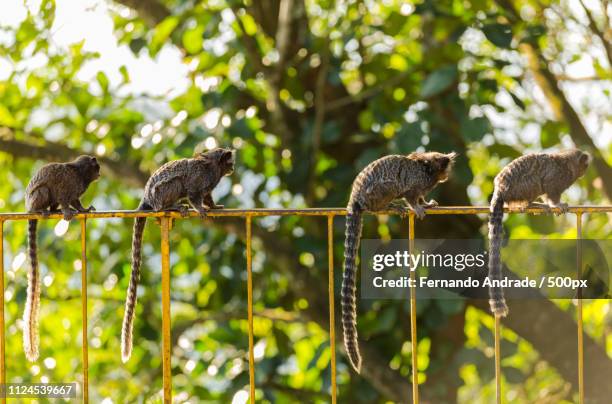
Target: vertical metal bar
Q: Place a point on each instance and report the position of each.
(332, 317)
(2, 335)
(579, 310)
(166, 343)
(250, 309)
(413, 315)
(498, 375)
(84, 309)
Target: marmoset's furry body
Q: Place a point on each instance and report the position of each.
(518, 185)
(389, 178)
(191, 178)
(55, 185)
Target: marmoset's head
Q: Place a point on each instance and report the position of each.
(88, 167)
(578, 161)
(438, 164)
(225, 158)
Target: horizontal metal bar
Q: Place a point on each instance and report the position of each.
(440, 210)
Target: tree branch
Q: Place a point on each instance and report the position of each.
(599, 33)
(319, 121)
(298, 395)
(564, 111)
(447, 343)
(368, 93)
(565, 77)
(553, 333)
(560, 105)
(50, 151)
(273, 104)
(151, 11)
(283, 35)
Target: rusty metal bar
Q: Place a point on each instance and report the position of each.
(250, 309)
(166, 342)
(498, 374)
(332, 316)
(413, 317)
(440, 210)
(84, 310)
(2, 336)
(579, 310)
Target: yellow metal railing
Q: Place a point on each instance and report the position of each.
(2, 353)
(579, 309)
(85, 345)
(166, 224)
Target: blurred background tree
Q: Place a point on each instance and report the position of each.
(309, 92)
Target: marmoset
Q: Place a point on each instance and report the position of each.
(55, 185)
(518, 185)
(389, 178)
(191, 178)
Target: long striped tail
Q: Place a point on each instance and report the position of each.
(349, 306)
(130, 301)
(496, 293)
(31, 312)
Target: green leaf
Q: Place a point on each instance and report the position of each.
(398, 62)
(517, 101)
(439, 80)
(504, 150)
(385, 320)
(451, 306)
(47, 9)
(408, 138)
(513, 375)
(162, 32)
(33, 82)
(499, 34)
(549, 134)
(533, 32)
(317, 354)
(331, 132)
(543, 224)
(601, 71)
(6, 118)
(193, 39)
(394, 23)
(137, 44)
(26, 33)
(474, 129)
(191, 101)
(103, 81)
(365, 119)
(124, 74)
(250, 26)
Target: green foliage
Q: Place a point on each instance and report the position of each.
(499, 34)
(400, 76)
(438, 81)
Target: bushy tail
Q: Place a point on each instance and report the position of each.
(130, 301)
(349, 307)
(496, 294)
(30, 314)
